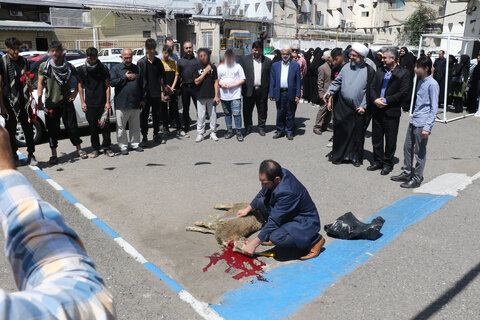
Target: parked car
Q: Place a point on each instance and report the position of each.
(39, 126)
(111, 52)
(31, 54)
(77, 51)
(36, 58)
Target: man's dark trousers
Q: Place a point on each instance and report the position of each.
(285, 110)
(262, 107)
(188, 92)
(66, 112)
(27, 127)
(280, 237)
(384, 138)
(154, 105)
(173, 115)
(94, 113)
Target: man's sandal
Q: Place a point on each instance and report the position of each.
(94, 154)
(110, 153)
(82, 154)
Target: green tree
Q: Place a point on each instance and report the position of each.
(415, 25)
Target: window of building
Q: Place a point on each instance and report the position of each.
(396, 4)
(365, 13)
(147, 34)
(303, 17)
(207, 39)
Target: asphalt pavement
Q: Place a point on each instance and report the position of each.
(149, 198)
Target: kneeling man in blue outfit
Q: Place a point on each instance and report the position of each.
(292, 218)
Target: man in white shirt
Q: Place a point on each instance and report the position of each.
(231, 78)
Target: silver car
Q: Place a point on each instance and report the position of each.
(39, 125)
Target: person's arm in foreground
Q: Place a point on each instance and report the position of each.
(53, 272)
(335, 86)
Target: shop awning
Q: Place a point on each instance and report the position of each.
(239, 34)
(25, 25)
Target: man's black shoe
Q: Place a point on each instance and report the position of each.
(261, 132)
(229, 134)
(375, 166)
(145, 142)
(402, 177)
(386, 170)
(290, 137)
(410, 184)
(248, 130)
(356, 164)
(278, 135)
(239, 136)
(31, 160)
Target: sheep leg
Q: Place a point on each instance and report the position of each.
(202, 230)
(223, 206)
(208, 225)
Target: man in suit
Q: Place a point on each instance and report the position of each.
(292, 218)
(255, 89)
(285, 89)
(387, 91)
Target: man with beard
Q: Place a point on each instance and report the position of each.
(55, 75)
(153, 72)
(255, 88)
(352, 83)
(94, 79)
(14, 97)
(292, 218)
(187, 69)
(388, 89)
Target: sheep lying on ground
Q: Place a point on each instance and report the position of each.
(229, 227)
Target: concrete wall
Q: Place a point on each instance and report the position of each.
(128, 32)
(28, 37)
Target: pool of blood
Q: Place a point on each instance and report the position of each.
(247, 267)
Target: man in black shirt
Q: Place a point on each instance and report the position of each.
(15, 91)
(153, 73)
(206, 80)
(187, 68)
(94, 79)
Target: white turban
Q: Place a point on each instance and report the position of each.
(360, 49)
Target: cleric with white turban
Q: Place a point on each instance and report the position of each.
(350, 88)
(360, 49)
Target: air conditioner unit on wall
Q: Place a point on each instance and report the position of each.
(264, 28)
(44, 17)
(16, 13)
(241, 12)
(233, 12)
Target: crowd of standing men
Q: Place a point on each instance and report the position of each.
(352, 86)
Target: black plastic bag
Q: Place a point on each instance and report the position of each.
(349, 227)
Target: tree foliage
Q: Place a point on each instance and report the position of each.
(415, 25)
